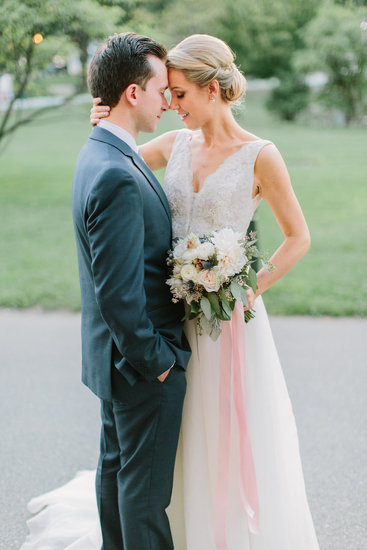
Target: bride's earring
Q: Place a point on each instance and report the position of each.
(212, 99)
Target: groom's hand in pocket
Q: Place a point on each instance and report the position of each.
(164, 375)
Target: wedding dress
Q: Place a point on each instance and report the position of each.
(68, 516)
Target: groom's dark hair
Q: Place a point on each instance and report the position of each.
(122, 61)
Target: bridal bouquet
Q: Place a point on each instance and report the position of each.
(211, 272)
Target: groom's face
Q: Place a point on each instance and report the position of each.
(152, 101)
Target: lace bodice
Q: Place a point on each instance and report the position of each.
(224, 200)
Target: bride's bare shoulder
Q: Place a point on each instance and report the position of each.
(248, 137)
(157, 151)
(270, 170)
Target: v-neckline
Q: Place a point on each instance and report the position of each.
(215, 171)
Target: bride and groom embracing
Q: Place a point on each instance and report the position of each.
(136, 348)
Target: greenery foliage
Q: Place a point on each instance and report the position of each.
(33, 31)
(291, 96)
(265, 33)
(336, 43)
(282, 38)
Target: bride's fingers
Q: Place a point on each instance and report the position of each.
(250, 300)
(100, 110)
(97, 113)
(97, 100)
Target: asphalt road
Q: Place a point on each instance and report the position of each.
(49, 422)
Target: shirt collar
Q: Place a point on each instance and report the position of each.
(119, 132)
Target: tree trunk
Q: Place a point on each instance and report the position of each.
(22, 87)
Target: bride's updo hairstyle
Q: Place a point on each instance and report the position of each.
(203, 58)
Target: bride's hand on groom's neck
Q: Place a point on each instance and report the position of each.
(98, 111)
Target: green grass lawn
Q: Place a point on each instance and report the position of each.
(328, 170)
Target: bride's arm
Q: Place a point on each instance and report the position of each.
(273, 183)
(155, 152)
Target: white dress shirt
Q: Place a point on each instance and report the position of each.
(121, 133)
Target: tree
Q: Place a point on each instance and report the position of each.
(27, 41)
(337, 44)
(169, 21)
(290, 97)
(87, 20)
(263, 33)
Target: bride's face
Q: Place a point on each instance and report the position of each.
(191, 102)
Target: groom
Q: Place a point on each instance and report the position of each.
(134, 349)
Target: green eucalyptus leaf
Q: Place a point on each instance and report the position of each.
(206, 307)
(236, 290)
(252, 279)
(227, 309)
(214, 302)
(239, 293)
(244, 298)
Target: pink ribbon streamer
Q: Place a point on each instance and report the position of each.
(233, 357)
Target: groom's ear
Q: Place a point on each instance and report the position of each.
(131, 94)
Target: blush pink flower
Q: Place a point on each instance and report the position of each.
(209, 280)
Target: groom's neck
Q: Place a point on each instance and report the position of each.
(123, 119)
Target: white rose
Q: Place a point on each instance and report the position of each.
(176, 270)
(188, 272)
(209, 280)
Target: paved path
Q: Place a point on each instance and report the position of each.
(49, 422)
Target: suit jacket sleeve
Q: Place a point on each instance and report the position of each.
(115, 226)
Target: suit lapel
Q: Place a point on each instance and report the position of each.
(144, 168)
(99, 134)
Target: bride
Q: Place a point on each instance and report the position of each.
(238, 479)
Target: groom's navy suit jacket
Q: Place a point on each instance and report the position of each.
(123, 231)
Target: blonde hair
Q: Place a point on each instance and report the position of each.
(204, 58)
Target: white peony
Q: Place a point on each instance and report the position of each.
(185, 249)
(192, 241)
(190, 254)
(205, 250)
(179, 249)
(230, 253)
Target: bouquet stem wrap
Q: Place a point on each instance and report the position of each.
(233, 358)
